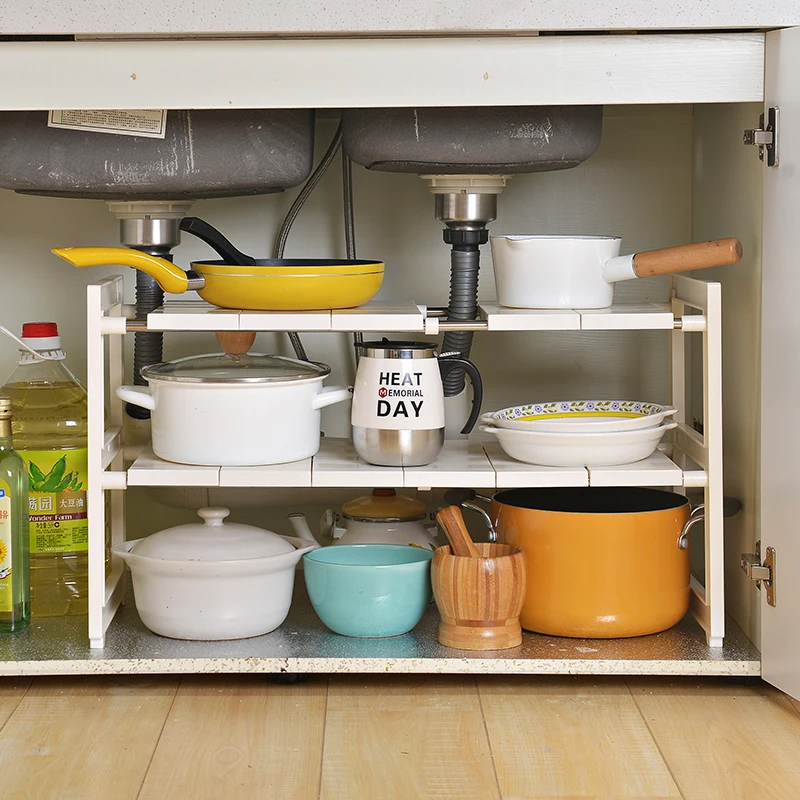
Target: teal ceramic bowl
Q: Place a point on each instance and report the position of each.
(369, 590)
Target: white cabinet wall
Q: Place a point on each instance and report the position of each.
(671, 168)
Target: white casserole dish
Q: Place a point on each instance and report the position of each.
(579, 449)
(213, 581)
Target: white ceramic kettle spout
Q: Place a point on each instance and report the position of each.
(300, 525)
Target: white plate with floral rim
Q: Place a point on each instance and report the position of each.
(580, 416)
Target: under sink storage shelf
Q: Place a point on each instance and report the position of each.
(407, 317)
(473, 463)
(689, 460)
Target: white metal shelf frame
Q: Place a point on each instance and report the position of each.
(705, 449)
(690, 461)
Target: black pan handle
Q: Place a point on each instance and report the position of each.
(212, 237)
(448, 363)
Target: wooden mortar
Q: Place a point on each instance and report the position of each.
(479, 599)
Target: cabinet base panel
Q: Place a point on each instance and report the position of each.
(303, 645)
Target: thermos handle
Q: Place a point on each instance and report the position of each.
(449, 363)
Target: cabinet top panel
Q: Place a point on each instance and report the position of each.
(120, 17)
(331, 73)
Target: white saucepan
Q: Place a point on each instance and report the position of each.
(580, 271)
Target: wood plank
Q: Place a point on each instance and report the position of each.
(12, 690)
(723, 741)
(571, 737)
(405, 738)
(240, 736)
(795, 704)
(329, 73)
(89, 738)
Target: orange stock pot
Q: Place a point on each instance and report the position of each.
(601, 562)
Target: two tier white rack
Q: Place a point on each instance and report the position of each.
(691, 460)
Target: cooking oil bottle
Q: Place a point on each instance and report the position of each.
(14, 571)
(50, 433)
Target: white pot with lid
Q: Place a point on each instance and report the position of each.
(235, 409)
(213, 581)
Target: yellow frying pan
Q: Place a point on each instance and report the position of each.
(293, 284)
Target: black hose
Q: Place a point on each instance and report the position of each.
(465, 262)
(350, 228)
(148, 348)
(349, 217)
(294, 210)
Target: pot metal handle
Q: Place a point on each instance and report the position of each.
(463, 498)
(683, 539)
(486, 518)
(730, 507)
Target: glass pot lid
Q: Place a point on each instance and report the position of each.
(384, 505)
(212, 540)
(227, 368)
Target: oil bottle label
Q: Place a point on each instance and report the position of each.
(57, 500)
(6, 552)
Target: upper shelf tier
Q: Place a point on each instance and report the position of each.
(379, 317)
(469, 462)
(384, 72)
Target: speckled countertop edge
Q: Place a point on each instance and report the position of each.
(119, 17)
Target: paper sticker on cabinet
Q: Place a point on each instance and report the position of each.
(129, 122)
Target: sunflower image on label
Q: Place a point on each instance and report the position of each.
(6, 599)
(57, 500)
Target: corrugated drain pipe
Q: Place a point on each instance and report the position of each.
(465, 262)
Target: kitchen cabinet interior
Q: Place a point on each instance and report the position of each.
(721, 74)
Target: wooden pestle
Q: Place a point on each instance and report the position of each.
(452, 520)
(236, 343)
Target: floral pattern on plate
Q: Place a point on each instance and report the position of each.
(580, 408)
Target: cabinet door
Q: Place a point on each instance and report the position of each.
(780, 370)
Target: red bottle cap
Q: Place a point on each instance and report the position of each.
(39, 330)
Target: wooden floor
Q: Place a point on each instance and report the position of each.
(377, 737)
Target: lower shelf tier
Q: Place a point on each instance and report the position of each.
(303, 645)
(469, 462)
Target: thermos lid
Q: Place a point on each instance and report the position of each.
(384, 505)
(392, 349)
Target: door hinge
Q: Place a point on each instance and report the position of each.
(761, 571)
(765, 137)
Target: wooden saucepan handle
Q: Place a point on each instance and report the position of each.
(452, 520)
(236, 343)
(687, 257)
